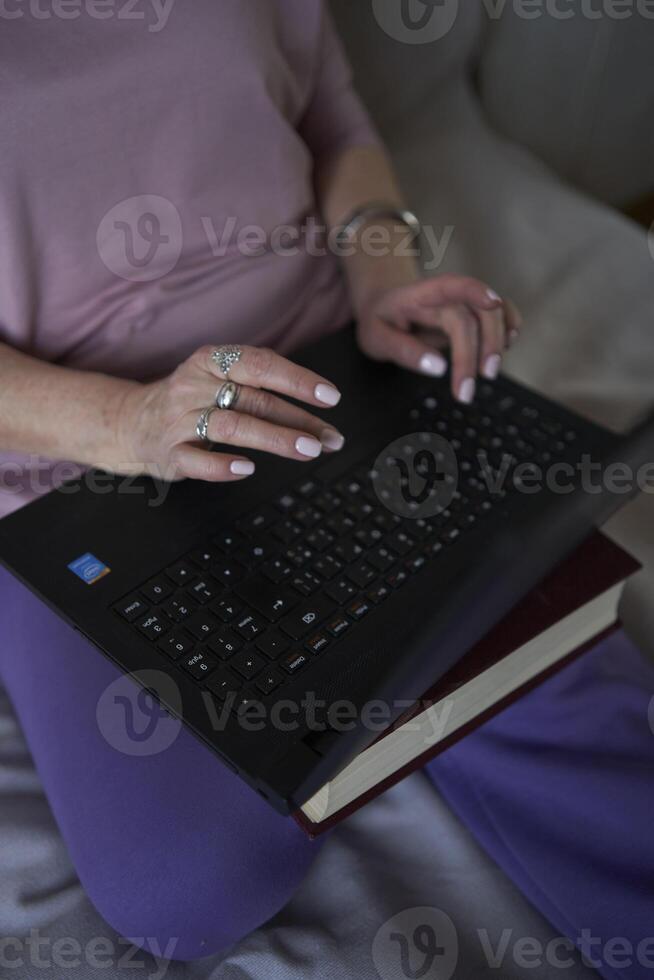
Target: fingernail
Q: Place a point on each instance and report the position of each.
(467, 390)
(241, 467)
(492, 366)
(308, 447)
(327, 394)
(493, 296)
(513, 336)
(332, 439)
(433, 364)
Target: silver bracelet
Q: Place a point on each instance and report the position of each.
(379, 212)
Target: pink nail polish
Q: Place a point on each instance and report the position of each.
(332, 439)
(308, 447)
(493, 296)
(433, 364)
(467, 391)
(492, 366)
(242, 467)
(327, 394)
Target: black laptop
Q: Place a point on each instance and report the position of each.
(363, 576)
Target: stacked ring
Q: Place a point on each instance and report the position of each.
(227, 395)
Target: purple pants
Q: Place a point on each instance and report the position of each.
(170, 845)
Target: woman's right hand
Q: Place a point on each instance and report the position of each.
(156, 423)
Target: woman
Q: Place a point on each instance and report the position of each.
(140, 162)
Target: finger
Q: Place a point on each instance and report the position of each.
(234, 428)
(263, 405)
(463, 330)
(387, 343)
(493, 342)
(453, 290)
(260, 367)
(193, 463)
(514, 322)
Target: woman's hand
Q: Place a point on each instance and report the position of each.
(157, 422)
(409, 324)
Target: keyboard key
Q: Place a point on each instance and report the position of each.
(306, 583)
(337, 625)
(247, 664)
(176, 645)
(328, 501)
(381, 559)
(269, 681)
(199, 664)
(152, 627)
(272, 643)
(317, 643)
(249, 626)
(203, 591)
(223, 682)
(226, 609)
(180, 573)
(225, 643)
(259, 520)
(397, 578)
(302, 620)
(400, 542)
(203, 557)
(178, 609)
(359, 608)
(415, 563)
(272, 601)
(348, 551)
(327, 567)
(341, 591)
(294, 662)
(277, 570)
(368, 537)
(379, 593)
(308, 487)
(229, 541)
(131, 608)
(286, 531)
(307, 516)
(362, 574)
(228, 572)
(300, 556)
(257, 551)
(286, 502)
(157, 590)
(201, 624)
(319, 539)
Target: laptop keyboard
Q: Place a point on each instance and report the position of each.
(252, 605)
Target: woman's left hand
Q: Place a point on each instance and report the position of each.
(410, 324)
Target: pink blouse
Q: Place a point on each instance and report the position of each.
(156, 184)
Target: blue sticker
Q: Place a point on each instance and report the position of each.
(89, 568)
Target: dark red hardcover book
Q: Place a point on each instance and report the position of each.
(595, 568)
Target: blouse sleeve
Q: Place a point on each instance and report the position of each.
(335, 118)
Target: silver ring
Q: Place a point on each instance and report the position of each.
(226, 357)
(227, 395)
(202, 428)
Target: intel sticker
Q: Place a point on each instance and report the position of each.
(89, 568)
